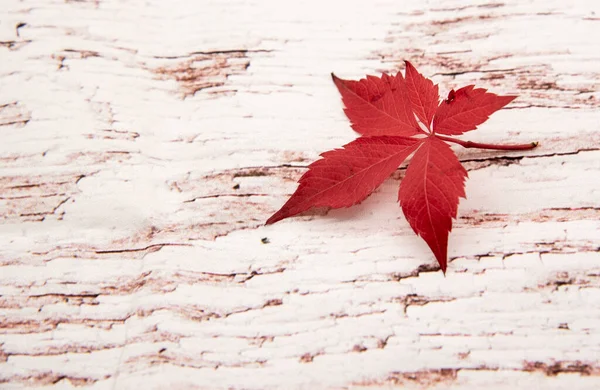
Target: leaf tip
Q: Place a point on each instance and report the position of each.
(339, 83)
(510, 98)
(274, 218)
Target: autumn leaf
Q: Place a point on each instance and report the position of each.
(377, 106)
(467, 108)
(345, 177)
(385, 110)
(422, 94)
(429, 194)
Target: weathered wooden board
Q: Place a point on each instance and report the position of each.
(144, 143)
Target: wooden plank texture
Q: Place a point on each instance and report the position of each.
(144, 143)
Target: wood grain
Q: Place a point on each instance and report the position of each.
(144, 144)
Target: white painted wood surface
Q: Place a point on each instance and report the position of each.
(144, 143)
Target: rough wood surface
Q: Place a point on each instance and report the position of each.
(144, 143)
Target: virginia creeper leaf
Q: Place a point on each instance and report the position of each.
(377, 105)
(385, 110)
(429, 194)
(467, 108)
(345, 177)
(423, 95)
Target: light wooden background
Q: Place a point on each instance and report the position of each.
(144, 143)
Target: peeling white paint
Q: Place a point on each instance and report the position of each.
(144, 144)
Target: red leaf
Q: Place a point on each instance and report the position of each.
(344, 177)
(429, 194)
(423, 95)
(467, 108)
(385, 110)
(377, 106)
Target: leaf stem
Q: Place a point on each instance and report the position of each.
(469, 144)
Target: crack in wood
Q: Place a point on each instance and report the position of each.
(563, 367)
(204, 71)
(14, 114)
(148, 248)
